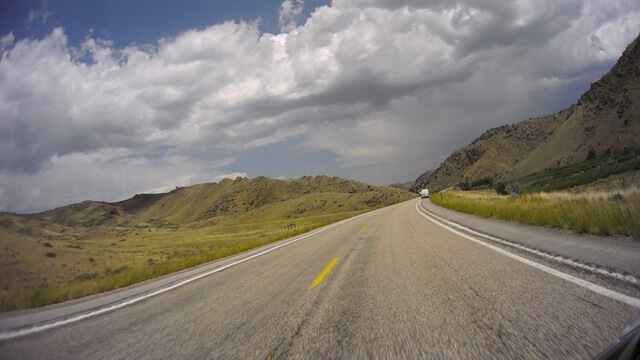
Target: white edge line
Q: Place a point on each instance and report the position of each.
(12, 334)
(580, 282)
(628, 278)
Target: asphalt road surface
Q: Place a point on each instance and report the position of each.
(387, 284)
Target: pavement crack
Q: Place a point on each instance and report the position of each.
(313, 304)
(468, 285)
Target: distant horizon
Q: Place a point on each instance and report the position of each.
(109, 99)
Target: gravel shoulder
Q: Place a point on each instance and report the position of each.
(618, 253)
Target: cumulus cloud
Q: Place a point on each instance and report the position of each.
(390, 87)
(290, 12)
(6, 41)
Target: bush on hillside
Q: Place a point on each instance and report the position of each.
(464, 185)
(485, 181)
(501, 189)
(514, 188)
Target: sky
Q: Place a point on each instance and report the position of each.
(100, 100)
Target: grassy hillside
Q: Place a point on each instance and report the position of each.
(601, 169)
(578, 174)
(90, 247)
(600, 196)
(605, 119)
(232, 197)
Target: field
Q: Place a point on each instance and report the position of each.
(597, 212)
(110, 259)
(92, 247)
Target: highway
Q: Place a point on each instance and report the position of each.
(387, 284)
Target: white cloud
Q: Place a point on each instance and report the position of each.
(43, 13)
(289, 14)
(6, 41)
(108, 175)
(383, 84)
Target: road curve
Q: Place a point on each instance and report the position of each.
(390, 283)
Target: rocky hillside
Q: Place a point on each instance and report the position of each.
(606, 117)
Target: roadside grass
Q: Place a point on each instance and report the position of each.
(118, 257)
(603, 212)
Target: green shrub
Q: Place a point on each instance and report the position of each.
(485, 181)
(464, 185)
(514, 188)
(501, 189)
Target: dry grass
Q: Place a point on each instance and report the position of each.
(90, 247)
(113, 258)
(601, 212)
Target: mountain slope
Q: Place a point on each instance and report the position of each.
(236, 197)
(84, 248)
(607, 117)
(203, 203)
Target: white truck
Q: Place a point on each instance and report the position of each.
(424, 193)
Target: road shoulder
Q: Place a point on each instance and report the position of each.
(621, 254)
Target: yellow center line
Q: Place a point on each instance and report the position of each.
(324, 273)
(363, 229)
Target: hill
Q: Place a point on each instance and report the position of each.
(606, 118)
(206, 204)
(94, 246)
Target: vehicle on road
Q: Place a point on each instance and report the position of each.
(424, 193)
(626, 346)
